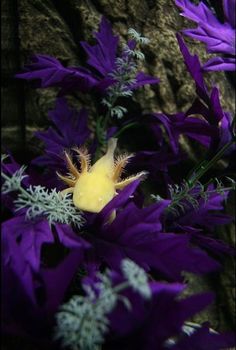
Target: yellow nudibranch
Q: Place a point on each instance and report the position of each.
(94, 186)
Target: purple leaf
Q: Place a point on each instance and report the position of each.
(194, 67)
(47, 71)
(219, 37)
(208, 213)
(144, 79)
(149, 323)
(102, 55)
(229, 11)
(180, 124)
(219, 64)
(68, 238)
(31, 235)
(14, 262)
(57, 280)
(70, 129)
(204, 339)
(135, 233)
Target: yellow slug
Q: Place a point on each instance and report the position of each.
(94, 186)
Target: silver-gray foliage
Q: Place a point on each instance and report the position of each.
(56, 207)
(137, 37)
(124, 74)
(13, 183)
(40, 201)
(137, 278)
(82, 322)
(186, 196)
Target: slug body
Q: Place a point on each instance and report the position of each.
(94, 186)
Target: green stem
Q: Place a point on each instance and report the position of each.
(128, 126)
(107, 115)
(206, 166)
(101, 127)
(121, 287)
(199, 172)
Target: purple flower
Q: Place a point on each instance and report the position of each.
(47, 71)
(68, 238)
(193, 65)
(137, 233)
(199, 220)
(209, 242)
(10, 166)
(70, 129)
(31, 236)
(211, 109)
(32, 289)
(56, 280)
(22, 246)
(20, 314)
(34, 320)
(152, 323)
(181, 124)
(14, 260)
(219, 64)
(102, 56)
(218, 37)
(208, 213)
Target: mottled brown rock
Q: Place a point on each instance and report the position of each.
(56, 27)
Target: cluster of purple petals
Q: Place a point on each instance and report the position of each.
(205, 121)
(135, 233)
(158, 322)
(46, 71)
(155, 239)
(69, 129)
(207, 103)
(218, 37)
(33, 291)
(213, 130)
(200, 222)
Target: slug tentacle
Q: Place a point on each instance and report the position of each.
(84, 158)
(121, 184)
(120, 164)
(71, 167)
(67, 179)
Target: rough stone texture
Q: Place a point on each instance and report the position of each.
(55, 27)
